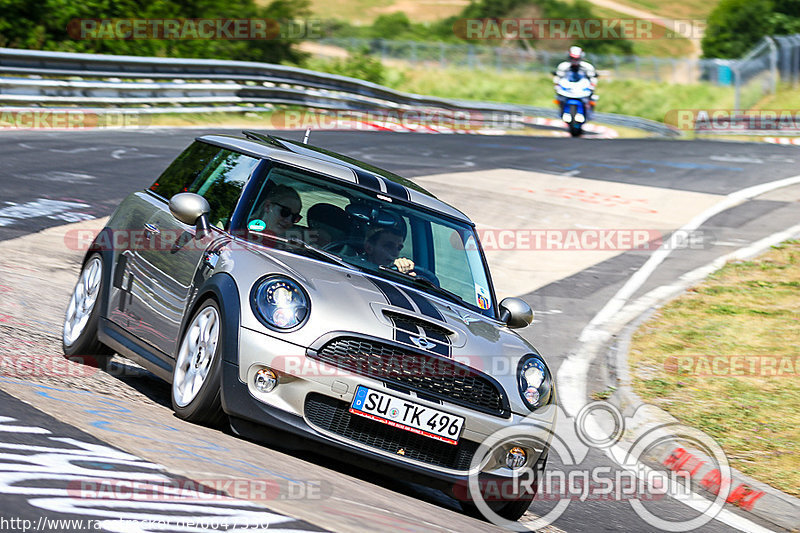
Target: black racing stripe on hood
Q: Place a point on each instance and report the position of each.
(425, 305)
(402, 336)
(402, 299)
(441, 349)
(393, 294)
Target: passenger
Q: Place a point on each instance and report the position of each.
(382, 247)
(281, 210)
(327, 223)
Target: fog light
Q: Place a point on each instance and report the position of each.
(516, 457)
(265, 380)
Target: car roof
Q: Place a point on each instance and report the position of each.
(334, 165)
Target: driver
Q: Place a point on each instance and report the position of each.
(382, 247)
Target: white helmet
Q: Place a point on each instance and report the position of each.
(575, 54)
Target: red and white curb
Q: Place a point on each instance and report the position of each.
(783, 140)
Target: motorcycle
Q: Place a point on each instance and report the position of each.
(574, 97)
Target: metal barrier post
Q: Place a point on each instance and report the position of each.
(773, 64)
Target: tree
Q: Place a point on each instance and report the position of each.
(735, 26)
(46, 25)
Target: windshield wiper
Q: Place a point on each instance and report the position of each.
(419, 280)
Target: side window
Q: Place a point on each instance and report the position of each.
(183, 171)
(217, 174)
(221, 183)
(452, 266)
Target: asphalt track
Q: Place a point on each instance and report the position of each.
(53, 178)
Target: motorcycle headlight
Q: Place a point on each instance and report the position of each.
(280, 303)
(535, 382)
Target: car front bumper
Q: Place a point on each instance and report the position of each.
(306, 400)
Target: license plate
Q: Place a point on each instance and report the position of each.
(407, 415)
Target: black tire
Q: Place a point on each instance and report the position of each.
(574, 129)
(206, 405)
(85, 347)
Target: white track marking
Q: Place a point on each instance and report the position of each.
(572, 375)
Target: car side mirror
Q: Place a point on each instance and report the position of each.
(191, 209)
(516, 313)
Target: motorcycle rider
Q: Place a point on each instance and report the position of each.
(576, 63)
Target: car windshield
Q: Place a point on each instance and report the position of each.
(297, 211)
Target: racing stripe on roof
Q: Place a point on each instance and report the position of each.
(369, 181)
(395, 189)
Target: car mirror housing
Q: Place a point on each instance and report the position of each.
(191, 209)
(516, 313)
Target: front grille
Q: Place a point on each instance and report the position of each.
(333, 415)
(439, 377)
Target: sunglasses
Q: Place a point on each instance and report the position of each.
(285, 212)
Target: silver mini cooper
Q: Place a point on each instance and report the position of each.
(296, 292)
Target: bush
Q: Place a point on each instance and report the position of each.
(391, 26)
(358, 65)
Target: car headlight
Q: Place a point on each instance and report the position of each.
(535, 382)
(280, 303)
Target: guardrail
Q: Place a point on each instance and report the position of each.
(63, 78)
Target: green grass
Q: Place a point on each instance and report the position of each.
(366, 11)
(749, 308)
(786, 97)
(677, 9)
(640, 98)
(659, 47)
